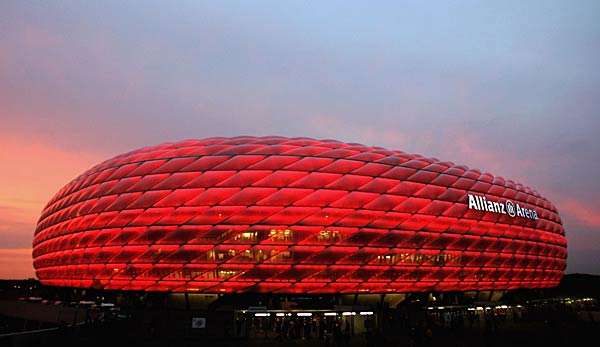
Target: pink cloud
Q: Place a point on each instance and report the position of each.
(32, 171)
(16, 263)
(35, 37)
(583, 213)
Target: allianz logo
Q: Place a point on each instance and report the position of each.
(480, 203)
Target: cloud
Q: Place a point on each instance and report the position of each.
(16, 226)
(585, 213)
(16, 263)
(31, 172)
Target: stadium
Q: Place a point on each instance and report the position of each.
(295, 215)
(251, 238)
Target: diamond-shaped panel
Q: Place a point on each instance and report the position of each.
(292, 215)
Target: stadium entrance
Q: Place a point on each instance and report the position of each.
(330, 325)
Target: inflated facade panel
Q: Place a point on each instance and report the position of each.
(295, 215)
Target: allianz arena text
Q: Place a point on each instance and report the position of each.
(295, 215)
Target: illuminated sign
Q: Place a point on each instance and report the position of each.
(481, 203)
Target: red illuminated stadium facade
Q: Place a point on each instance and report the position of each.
(295, 215)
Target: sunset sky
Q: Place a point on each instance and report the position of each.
(508, 87)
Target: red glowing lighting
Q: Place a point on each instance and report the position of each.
(292, 215)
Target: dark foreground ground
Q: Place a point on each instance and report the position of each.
(529, 334)
(565, 316)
